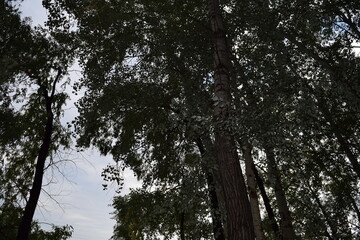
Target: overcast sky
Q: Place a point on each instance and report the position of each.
(79, 199)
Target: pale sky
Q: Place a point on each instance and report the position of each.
(79, 199)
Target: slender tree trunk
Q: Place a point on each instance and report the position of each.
(25, 224)
(356, 208)
(324, 213)
(336, 130)
(321, 104)
(239, 218)
(206, 151)
(341, 139)
(334, 76)
(182, 225)
(286, 226)
(266, 200)
(346, 18)
(218, 229)
(349, 196)
(254, 202)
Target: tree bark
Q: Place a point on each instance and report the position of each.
(286, 226)
(251, 183)
(238, 213)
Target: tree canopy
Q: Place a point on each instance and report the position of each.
(186, 93)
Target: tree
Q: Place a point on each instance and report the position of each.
(239, 218)
(34, 63)
(285, 80)
(155, 96)
(252, 189)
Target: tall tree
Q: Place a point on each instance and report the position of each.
(150, 69)
(239, 218)
(33, 63)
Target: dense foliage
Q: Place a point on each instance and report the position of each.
(148, 75)
(149, 80)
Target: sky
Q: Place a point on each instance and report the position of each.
(77, 196)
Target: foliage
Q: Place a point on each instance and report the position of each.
(160, 213)
(148, 79)
(10, 218)
(32, 62)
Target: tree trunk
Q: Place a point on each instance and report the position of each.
(206, 148)
(182, 225)
(217, 225)
(254, 202)
(328, 220)
(341, 139)
(356, 208)
(334, 76)
(25, 223)
(239, 218)
(266, 200)
(349, 196)
(286, 226)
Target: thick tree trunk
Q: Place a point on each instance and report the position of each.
(239, 218)
(254, 202)
(286, 226)
(216, 216)
(25, 224)
(266, 200)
